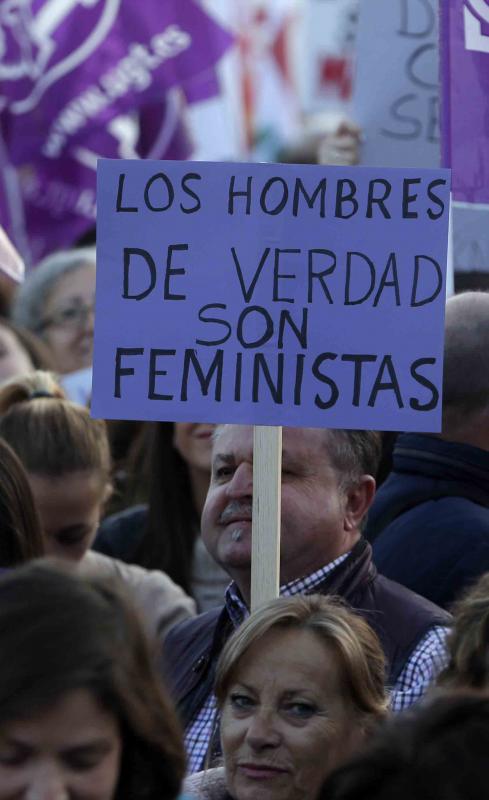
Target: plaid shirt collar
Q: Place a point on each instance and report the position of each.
(238, 610)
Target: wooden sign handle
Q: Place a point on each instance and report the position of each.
(267, 482)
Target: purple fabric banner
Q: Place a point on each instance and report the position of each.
(270, 294)
(464, 43)
(74, 74)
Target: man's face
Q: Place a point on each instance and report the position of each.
(314, 507)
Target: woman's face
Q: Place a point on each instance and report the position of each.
(284, 722)
(68, 320)
(194, 443)
(71, 751)
(70, 507)
(14, 360)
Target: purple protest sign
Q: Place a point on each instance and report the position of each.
(464, 43)
(270, 294)
(73, 77)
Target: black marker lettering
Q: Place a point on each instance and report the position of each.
(390, 385)
(300, 333)
(172, 271)
(415, 302)
(281, 276)
(320, 191)
(191, 176)
(190, 359)
(234, 193)
(342, 198)
(162, 179)
(237, 377)
(299, 374)
(282, 202)
(318, 401)
(379, 201)
(349, 264)
(436, 199)
(247, 292)
(359, 360)
(217, 321)
(121, 371)
(435, 395)
(120, 189)
(154, 355)
(408, 198)
(312, 275)
(276, 388)
(129, 252)
(267, 334)
(391, 266)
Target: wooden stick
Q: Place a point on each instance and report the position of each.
(267, 481)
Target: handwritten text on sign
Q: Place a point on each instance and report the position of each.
(270, 294)
(398, 55)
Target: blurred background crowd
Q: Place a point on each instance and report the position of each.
(128, 656)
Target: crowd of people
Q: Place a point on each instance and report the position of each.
(131, 664)
(132, 658)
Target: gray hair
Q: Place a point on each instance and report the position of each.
(467, 355)
(353, 453)
(32, 295)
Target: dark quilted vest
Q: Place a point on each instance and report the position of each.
(399, 617)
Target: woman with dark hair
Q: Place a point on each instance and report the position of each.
(20, 527)
(82, 713)
(165, 534)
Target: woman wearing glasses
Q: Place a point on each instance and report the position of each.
(56, 302)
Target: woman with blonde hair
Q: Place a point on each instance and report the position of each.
(299, 686)
(66, 456)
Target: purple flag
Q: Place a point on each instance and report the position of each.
(464, 42)
(76, 76)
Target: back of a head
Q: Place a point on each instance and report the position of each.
(51, 435)
(468, 641)
(438, 751)
(60, 633)
(20, 528)
(466, 360)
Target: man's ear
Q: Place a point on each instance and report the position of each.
(359, 498)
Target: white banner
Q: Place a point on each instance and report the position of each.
(396, 95)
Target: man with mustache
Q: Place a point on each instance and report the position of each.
(327, 488)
